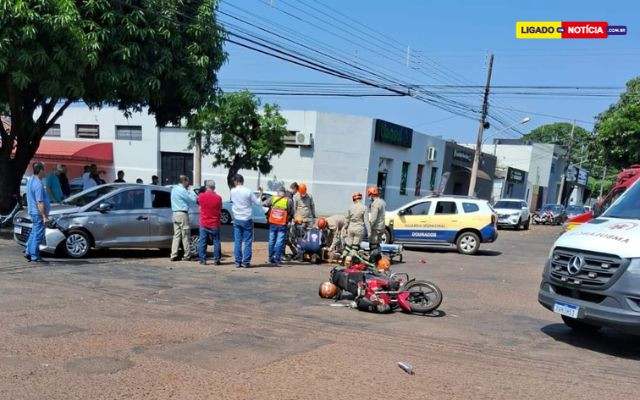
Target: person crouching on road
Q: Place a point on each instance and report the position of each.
(181, 200)
(304, 206)
(210, 210)
(335, 226)
(376, 218)
(242, 200)
(357, 221)
(38, 208)
(280, 214)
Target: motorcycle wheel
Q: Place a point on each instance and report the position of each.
(424, 296)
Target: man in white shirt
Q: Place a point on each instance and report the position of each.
(242, 203)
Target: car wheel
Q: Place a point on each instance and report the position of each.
(519, 225)
(386, 238)
(225, 217)
(527, 224)
(77, 244)
(580, 326)
(193, 244)
(468, 243)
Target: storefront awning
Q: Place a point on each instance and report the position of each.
(481, 174)
(100, 152)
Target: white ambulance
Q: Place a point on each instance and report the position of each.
(592, 277)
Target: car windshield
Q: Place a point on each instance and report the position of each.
(513, 205)
(627, 206)
(89, 195)
(575, 209)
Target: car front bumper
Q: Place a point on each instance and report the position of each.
(52, 237)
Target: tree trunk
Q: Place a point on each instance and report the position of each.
(10, 175)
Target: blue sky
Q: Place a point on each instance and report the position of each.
(457, 35)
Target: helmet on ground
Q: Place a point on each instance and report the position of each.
(322, 223)
(373, 191)
(327, 290)
(302, 188)
(298, 219)
(356, 196)
(384, 264)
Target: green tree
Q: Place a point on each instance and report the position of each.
(617, 139)
(237, 134)
(160, 54)
(560, 133)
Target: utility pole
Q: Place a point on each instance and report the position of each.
(197, 161)
(483, 121)
(604, 174)
(566, 167)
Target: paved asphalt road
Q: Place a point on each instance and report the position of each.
(131, 325)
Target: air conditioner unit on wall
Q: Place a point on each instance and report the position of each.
(303, 139)
(431, 154)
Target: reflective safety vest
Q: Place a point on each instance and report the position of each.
(278, 213)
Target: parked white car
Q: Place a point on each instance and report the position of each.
(259, 212)
(513, 213)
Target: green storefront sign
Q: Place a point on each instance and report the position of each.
(390, 133)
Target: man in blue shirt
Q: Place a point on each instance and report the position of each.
(181, 200)
(38, 209)
(53, 186)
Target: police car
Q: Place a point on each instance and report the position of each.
(463, 222)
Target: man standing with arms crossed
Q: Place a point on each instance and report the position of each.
(242, 202)
(376, 216)
(210, 209)
(38, 209)
(181, 200)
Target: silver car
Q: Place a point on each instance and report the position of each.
(117, 215)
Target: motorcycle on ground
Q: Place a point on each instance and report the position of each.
(381, 291)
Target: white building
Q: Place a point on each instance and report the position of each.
(543, 163)
(334, 154)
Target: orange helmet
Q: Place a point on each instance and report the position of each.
(373, 191)
(298, 219)
(327, 290)
(322, 223)
(384, 264)
(356, 196)
(302, 189)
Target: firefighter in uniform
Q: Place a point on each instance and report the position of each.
(304, 206)
(376, 217)
(357, 220)
(335, 224)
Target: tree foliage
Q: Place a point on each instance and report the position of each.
(237, 134)
(160, 54)
(617, 140)
(560, 133)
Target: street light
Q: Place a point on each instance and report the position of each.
(495, 145)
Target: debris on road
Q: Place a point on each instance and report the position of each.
(406, 367)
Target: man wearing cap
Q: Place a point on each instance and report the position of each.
(280, 214)
(53, 186)
(38, 208)
(210, 208)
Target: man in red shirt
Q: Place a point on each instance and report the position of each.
(210, 208)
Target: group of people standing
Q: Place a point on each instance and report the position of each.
(120, 179)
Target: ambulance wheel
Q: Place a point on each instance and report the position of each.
(468, 243)
(225, 217)
(315, 259)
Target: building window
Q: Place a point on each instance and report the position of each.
(403, 178)
(128, 132)
(54, 131)
(88, 131)
(419, 179)
(432, 181)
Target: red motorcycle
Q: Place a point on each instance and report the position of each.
(372, 290)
